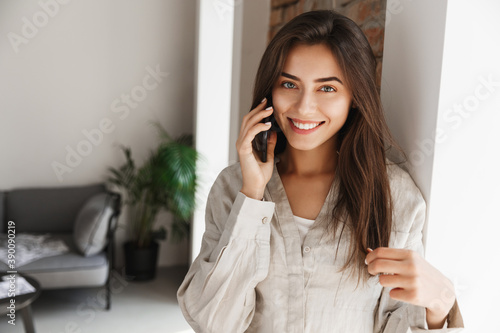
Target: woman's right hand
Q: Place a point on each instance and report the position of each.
(256, 174)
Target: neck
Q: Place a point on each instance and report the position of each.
(309, 163)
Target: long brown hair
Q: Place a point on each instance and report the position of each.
(364, 202)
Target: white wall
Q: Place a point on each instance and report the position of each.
(230, 45)
(72, 73)
(411, 69)
(254, 43)
(214, 65)
(467, 160)
(437, 57)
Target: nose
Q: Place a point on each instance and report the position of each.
(306, 103)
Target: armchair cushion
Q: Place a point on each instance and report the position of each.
(91, 224)
(67, 270)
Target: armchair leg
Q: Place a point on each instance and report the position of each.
(108, 296)
(108, 281)
(113, 220)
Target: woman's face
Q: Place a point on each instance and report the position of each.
(310, 98)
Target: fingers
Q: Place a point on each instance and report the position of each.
(254, 125)
(257, 128)
(397, 281)
(399, 294)
(256, 115)
(251, 126)
(244, 142)
(257, 118)
(261, 106)
(271, 143)
(388, 253)
(378, 266)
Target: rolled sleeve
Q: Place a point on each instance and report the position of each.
(252, 216)
(218, 292)
(453, 324)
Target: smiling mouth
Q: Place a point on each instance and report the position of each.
(308, 126)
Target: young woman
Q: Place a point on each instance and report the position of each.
(288, 241)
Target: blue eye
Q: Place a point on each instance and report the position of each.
(328, 89)
(288, 85)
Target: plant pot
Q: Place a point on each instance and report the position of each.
(140, 263)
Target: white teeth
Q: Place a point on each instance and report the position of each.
(305, 126)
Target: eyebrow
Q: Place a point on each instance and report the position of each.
(323, 79)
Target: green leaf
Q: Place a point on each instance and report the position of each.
(166, 180)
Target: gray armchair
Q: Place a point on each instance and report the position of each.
(55, 211)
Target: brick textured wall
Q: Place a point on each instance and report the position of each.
(368, 14)
(283, 11)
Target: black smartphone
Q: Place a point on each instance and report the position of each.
(260, 141)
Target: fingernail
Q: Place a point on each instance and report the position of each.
(268, 123)
(269, 108)
(369, 250)
(263, 100)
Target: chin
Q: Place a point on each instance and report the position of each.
(302, 145)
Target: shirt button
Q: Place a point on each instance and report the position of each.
(307, 249)
(264, 220)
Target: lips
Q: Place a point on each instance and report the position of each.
(307, 126)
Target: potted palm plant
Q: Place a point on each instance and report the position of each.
(166, 180)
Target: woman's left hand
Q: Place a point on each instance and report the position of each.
(413, 279)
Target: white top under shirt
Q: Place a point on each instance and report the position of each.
(303, 225)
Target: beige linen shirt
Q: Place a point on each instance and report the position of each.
(253, 274)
